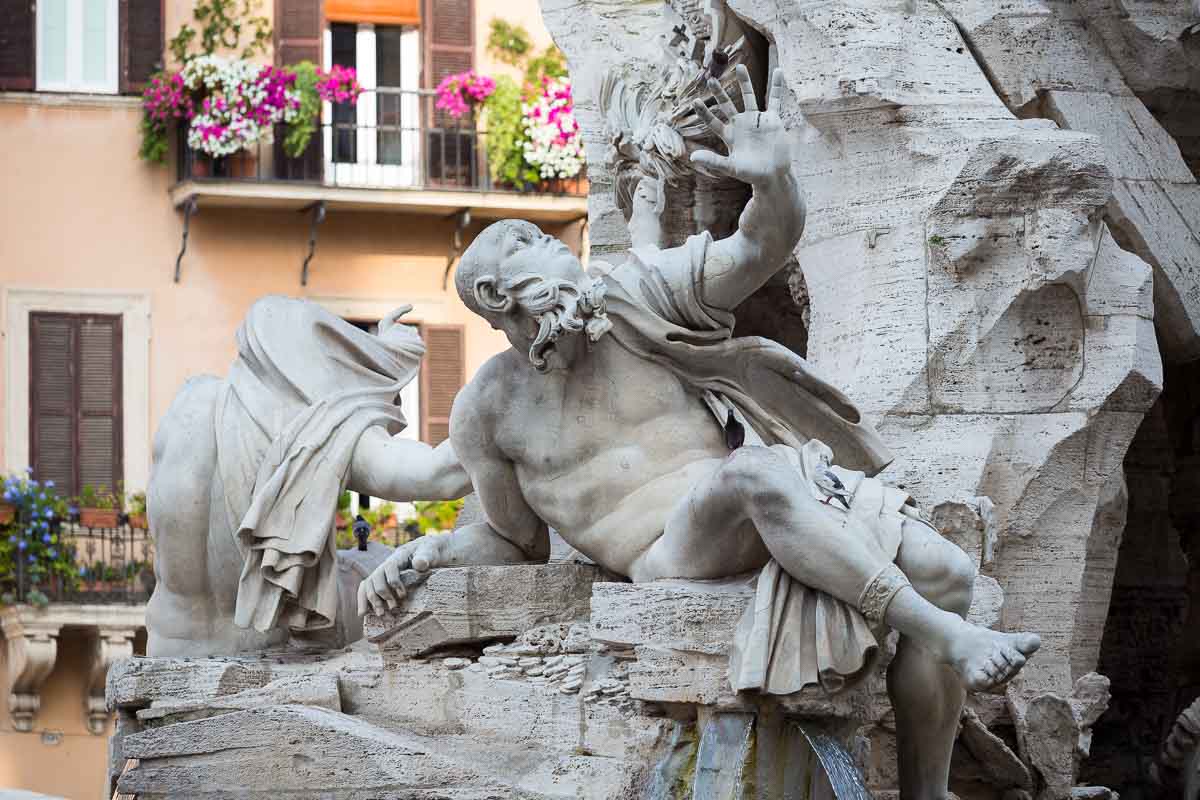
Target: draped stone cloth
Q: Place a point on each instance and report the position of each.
(303, 388)
(793, 635)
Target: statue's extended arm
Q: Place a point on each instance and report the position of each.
(773, 220)
(512, 535)
(402, 469)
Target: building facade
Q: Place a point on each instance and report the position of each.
(120, 279)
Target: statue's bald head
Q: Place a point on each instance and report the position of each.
(530, 286)
(486, 255)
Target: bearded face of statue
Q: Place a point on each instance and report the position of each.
(535, 291)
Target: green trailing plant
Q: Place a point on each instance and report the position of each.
(508, 42)
(223, 26)
(506, 136)
(301, 129)
(155, 142)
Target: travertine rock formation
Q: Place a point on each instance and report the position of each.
(996, 223)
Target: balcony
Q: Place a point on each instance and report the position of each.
(392, 152)
(96, 589)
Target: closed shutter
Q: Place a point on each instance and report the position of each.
(298, 26)
(449, 30)
(443, 372)
(16, 45)
(75, 400)
(141, 43)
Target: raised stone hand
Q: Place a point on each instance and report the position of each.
(758, 144)
(386, 587)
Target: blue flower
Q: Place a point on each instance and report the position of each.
(83, 572)
(46, 538)
(73, 510)
(48, 513)
(52, 553)
(43, 525)
(12, 540)
(29, 470)
(21, 545)
(32, 558)
(8, 495)
(49, 484)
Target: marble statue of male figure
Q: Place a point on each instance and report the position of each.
(628, 418)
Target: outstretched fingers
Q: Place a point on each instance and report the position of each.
(724, 101)
(716, 162)
(778, 87)
(749, 99)
(710, 119)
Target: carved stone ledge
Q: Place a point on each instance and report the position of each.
(109, 645)
(31, 639)
(32, 649)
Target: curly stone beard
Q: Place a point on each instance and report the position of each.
(560, 307)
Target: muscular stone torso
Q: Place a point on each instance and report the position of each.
(616, 433)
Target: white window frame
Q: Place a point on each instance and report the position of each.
(367, 171)
(134, 310)
(74, 81)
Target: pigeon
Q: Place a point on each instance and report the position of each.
(828, 482)
(735, 432)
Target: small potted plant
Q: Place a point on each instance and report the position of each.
(137, 511)
(98, 507)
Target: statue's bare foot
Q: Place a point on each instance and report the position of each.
(985, 659)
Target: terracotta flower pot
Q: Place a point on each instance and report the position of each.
(7, 512)
(98, 517)
(201, 166)
(243, 165)
(138, 521)
(342, 520)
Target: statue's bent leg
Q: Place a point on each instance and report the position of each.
(927, 695)
(756, 490)
(180, 611)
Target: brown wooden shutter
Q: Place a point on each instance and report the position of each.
(99, 385)
(298, 31)
(449, 36)
(52, 399)
(75, 400)
(141, 43)
(16, 45)
(443, 372)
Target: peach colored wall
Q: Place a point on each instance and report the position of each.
(70, 762)
(79, 211)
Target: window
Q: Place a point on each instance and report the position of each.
(377, 141)
(95, 46)
(75, 419)
(77, 45)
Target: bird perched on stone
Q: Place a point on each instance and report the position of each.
(828, 482)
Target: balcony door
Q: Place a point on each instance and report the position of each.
(377, 142)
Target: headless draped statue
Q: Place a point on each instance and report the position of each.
(247, 472)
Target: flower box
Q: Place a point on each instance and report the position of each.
(139, 521)
(7, 513)
(99, 517)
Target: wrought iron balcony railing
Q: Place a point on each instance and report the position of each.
(391, 139)
(86, 565)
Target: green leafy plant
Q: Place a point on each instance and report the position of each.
(99, 498)
(137, 503)
(508, 42)
(301, 129)
(343, 503)
(937, 241)
(223, 23)
(552, 63)
(32, 553)
(435, 516)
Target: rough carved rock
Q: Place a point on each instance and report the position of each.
(459, 606)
